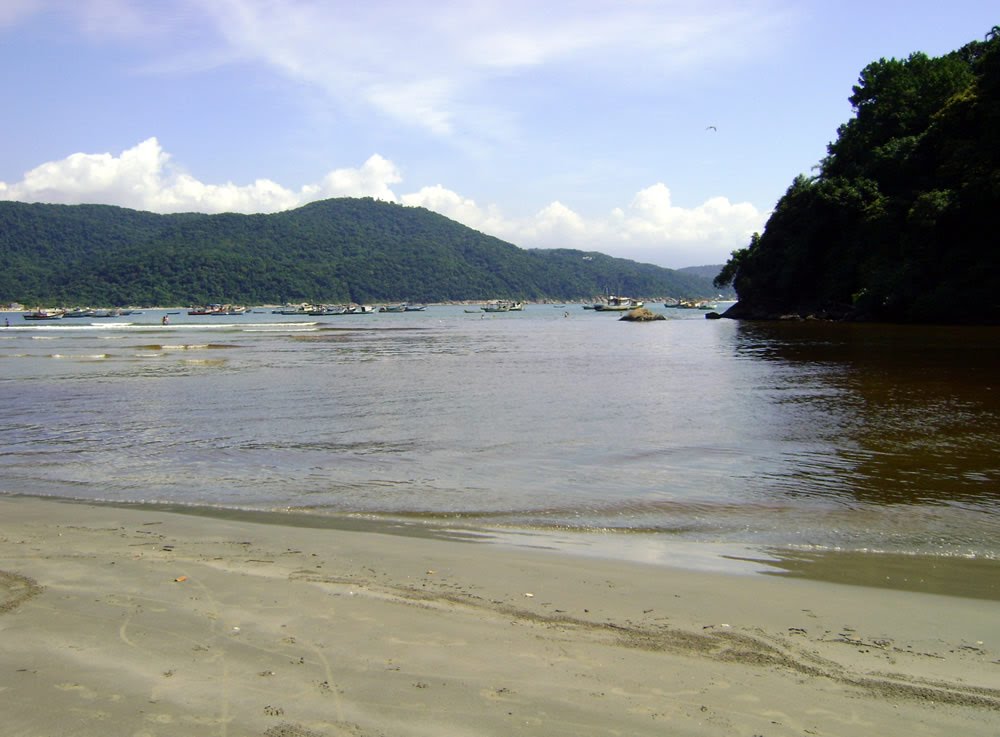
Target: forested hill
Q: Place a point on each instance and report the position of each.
(900, 224)
(338, 250)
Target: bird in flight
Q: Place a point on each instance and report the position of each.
(712, 128)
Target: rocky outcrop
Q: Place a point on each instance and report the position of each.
(836, 313)
(641, 314)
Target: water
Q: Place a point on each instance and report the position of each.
(555, 426)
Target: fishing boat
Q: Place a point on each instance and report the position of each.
(292, 310)
(691, 304)
(320, 310)
(42, 314)
(615, 303)
(216, 310)
(502, 305)
(401, 307)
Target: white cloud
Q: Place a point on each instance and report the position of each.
(143, 178)
(373, 179)
(455, 52)
(651, 229)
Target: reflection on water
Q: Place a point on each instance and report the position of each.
(912, 413)
(806, 437)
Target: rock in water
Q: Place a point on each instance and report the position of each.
(642, 314)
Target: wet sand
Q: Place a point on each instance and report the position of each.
(139, 622)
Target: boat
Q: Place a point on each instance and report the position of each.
(320, 310)
(292, 310)
(691, 304)
(42, 314)
(502, 305)
(401, 307)
(414, 308)
(615, 303)
(356, 309)
(216, 310)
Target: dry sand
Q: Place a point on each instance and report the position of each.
(130, 621)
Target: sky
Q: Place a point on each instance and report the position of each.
(662, 131)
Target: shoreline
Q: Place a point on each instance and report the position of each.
(123, 620)
(946, 575)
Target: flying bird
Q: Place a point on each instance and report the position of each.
(712, 128)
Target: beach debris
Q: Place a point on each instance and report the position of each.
(529, 595)
(273, 711)
(181, 579)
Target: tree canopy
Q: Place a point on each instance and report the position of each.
(899, 223)
(338, 250)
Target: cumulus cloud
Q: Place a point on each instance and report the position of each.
(650, 229)
(143, 178)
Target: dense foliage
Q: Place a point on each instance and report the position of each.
(340, 250)
(900, 222)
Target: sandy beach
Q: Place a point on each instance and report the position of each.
(139, 622)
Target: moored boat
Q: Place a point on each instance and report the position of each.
(502, 305)
(615, 303)
(43, 314)
(691, 304)
(217, 309)
(80, 312)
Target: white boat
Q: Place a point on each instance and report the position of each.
(690, 304)
(393, 308)
(617, 304)
(292, 310)
(502, 305)
(319, 310)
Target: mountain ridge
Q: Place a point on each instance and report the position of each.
(335, 250)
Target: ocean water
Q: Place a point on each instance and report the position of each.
(556, 426)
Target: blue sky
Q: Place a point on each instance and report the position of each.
(662, 131)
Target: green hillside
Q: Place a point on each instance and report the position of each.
(900, 222)
(338, 250)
